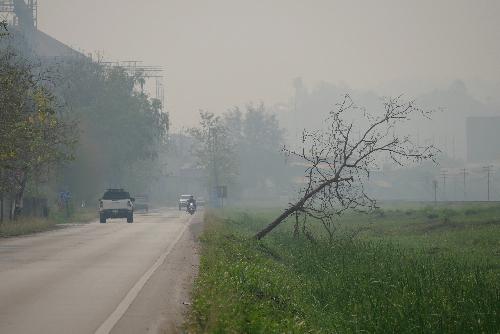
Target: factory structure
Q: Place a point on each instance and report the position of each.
(22, 20)
(20, 13)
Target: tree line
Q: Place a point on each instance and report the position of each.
(240, 149)
(72, 125)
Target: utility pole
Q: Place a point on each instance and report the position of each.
(444, 175)
(454, 198)
(435, 184)
(212, 134)
(464, 174)
(488, 171)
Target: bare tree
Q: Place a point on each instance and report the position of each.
(340, 157)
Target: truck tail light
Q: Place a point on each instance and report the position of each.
(100, 204)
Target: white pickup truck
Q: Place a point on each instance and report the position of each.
(116, 203)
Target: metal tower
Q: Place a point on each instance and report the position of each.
(148, 72)
(20, 13)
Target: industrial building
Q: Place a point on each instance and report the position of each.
(22, 19)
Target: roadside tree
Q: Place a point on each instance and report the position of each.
(214, 149)
(258, 139)
(121, 130)
(34, 134)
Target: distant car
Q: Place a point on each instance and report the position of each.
(183, 201)
(116, 203)
(141, 203)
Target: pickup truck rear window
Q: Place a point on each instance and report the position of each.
(116, 195)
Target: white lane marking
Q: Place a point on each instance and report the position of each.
(120, 310)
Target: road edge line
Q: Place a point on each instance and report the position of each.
(107, 326)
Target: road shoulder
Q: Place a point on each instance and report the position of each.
(164, 301)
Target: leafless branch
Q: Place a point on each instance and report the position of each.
(338, 164)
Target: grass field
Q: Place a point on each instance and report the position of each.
(411, 270)
(30, 225)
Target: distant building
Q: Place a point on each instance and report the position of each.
(21, 16)
(483, 139)
(44, 46)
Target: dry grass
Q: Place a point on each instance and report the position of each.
(26, 225)
(84, 215)
(30, 225)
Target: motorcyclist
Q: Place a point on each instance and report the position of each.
(191, 200)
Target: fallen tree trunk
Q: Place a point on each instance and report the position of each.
(339, 162)
(298, 206)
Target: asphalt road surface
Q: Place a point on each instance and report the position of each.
(100, 278)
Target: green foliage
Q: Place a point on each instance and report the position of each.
(122, 130)
(72, 108)
(73, 215)
(258, 141)
(33, 134)
(214, 150)
(242, 149)
(471, 212)
(392, 279)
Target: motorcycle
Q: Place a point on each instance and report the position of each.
(191, 208)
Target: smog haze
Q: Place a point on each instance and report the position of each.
(222, 53)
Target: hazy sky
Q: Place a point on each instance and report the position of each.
(219, 53)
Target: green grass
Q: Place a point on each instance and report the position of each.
(423, 270)
(30, 225)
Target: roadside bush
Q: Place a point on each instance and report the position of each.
(471, 212)
(432, 215)
(379, 213)
(448, 213)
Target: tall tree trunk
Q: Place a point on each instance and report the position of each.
(18, 204)
(1, 207)
(11, 207)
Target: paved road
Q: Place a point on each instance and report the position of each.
(97, 278)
